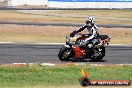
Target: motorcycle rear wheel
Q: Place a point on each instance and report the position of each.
(100, 57)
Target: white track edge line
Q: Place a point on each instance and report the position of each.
(76, 64)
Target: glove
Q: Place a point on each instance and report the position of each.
(72, 34)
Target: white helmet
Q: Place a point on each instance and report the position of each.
(90, 20)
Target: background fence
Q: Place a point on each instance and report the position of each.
(70, 3)
(90, 3)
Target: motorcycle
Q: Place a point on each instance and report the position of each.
(73, 50)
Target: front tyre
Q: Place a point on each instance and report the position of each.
(65, 53)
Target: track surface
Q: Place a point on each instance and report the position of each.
(38, 53)
(59, 24)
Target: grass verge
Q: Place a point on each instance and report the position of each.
(37, 76)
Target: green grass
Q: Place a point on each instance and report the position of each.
(36, 75)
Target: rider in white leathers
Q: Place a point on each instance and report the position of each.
(93, 32)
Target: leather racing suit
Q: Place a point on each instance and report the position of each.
(93, 34)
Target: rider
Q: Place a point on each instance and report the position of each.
(93, 32)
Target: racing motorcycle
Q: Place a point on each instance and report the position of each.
(73, 50)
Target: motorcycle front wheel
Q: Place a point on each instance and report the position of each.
(65, 53)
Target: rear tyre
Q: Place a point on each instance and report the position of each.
(65, 53)
(100, 56)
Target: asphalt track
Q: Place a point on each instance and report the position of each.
(41, 8)
(59, 24)
(45, 53)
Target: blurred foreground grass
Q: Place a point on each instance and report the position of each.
(37, 76)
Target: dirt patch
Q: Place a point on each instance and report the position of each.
(78, 16)
(13, 65)
(31, 34)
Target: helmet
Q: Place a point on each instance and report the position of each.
(90, 20)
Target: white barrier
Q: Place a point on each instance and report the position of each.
(90, 4)
(74, 3)
(27, 2)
